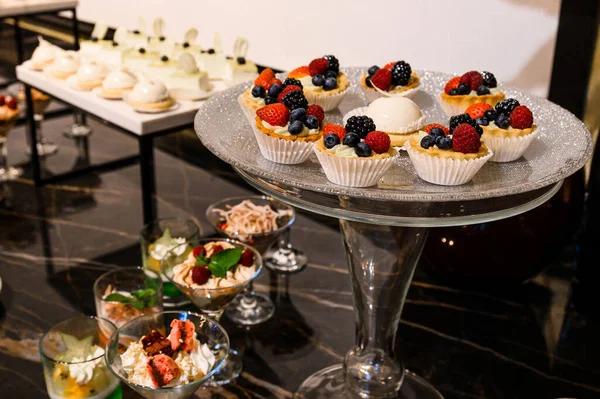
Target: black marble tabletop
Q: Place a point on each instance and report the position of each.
(520, 341)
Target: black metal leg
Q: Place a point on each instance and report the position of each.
(19, 41)
(35, 158)
(148, 179)
(75, 29)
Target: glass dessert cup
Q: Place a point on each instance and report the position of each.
(72, 354)
(180, 231)
(251, 308)
(142, 289)
(208, 332)
(79, 128)
(7, 173)
(213, 301)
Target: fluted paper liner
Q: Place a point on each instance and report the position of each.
(329, 102)
(451, 109)
(354, 172)
(445, 171)
(289, 152)
(507, 149)
(248, 111)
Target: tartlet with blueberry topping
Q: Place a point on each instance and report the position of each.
(472, 87)
(257, 95)
(508, 129)
(349, 160)
(448, 157)
(395, 79)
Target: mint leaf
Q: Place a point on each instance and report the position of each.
(201, 261)
(116, 297)
(139, 305)
(144, 294)
(221, 262)
(217, 270)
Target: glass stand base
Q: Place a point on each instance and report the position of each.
(10, 173)
(77, 130)
(329, 383)
(44, 149)
(286, 260)
(250, 309)
(230, 371)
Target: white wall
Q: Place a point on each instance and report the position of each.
(512, 38)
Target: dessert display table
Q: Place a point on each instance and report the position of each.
(385, 227)
(144, 127)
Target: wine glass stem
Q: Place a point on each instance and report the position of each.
(381, 260)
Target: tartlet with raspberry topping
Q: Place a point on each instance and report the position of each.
(395, 79)
(472, 87)
(257, 95)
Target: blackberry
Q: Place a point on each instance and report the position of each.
(294, 100)
(489, 79)
(361, 125)
(401, 73)
(506, 106)
(292, 81)
(464, 118)
(334, 64)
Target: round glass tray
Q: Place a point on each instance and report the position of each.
(562, 146)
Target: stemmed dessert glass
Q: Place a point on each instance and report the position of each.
(251, 308)
(208, 332)
(284, 258)
(7, 172)
(213, 301)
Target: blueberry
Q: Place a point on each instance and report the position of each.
(482, 121)
(372, 70)
(258, 91)
(363, 150)
(142, 50)
(463, 89)
(453, 92)
(368, 82)
(443, 143)
(351, 139)
(331, 140)
(478, 129)
(318, 80)
(136, 32)
(437, 132)
(211, 51)
(331, 74)
(270, 100)
(274, 90)
(330, 84)
(296, 127)
(115, 44)
(502, 121)
(299, 114)
(241, 60)
(94, 39)
(164, 58)
(427, 141)
(490, 115)
(186, 45)
(312, 122)
(482, 90)
(161, 38)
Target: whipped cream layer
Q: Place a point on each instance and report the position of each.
(308, 84)
(283, 130)
(258, 100)
(82, 369)
(343, 151)
(493, 90)
(149, 91)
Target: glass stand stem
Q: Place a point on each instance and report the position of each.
(3, 157)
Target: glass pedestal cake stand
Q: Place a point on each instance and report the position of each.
(384, 227)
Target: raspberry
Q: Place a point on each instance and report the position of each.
(318, 66)
(473, 79)
(378, 141)
(465, 139)
(432, 125)
(216, 249)
(287, 90)
(299, 72)
(335, 129)
(478, 110)
(274, 114)
(200, 275)
(2, 100)
(521, 117)
(247, 258)
(317, 111)
(11, 103)
(200, 250)
(382, 79)
(452, 84)
(389, 66)
(265, 79)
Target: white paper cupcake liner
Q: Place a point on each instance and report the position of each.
(445, 171)
(354, 172)
(248, 111)
(372, 94)
(507, 149)
(451, 109)
(288, 152)
(329, 102)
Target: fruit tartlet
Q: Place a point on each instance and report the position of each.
(287, 131)
(473, 87)
(508, 129)
(9, 112)
(354, 158)
(322, 82)
(395, 79)
(449, 157)
(260, 93)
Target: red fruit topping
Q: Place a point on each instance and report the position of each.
(473, 79)
(286, 91)
(432, 125)
(316, 110)
(274, 114)
(155, 344)
(389, 66)
(162, 370)
(217, 249)
(182, 335)
(521, 117)
(222, 225)
(382, 79)
(2, 100)
(11, 102)
(247, 258)
(465, 139)
(200, 275)
(299, 72)
(378, 141)
(265, 79)
(477, 110)
(277, 82)
(199, 251)
(452, 84)
(318, 66)
(335, 129)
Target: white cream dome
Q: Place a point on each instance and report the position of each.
(92, 71)
(149, 91)
(119, 79)
(396, 115)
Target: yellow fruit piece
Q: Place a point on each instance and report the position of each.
(72, 390)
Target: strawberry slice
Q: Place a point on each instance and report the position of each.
(274, 114)
(317, 111)
(452, 84)
(265, 79)
(299, 72)
(335, 129)
(389, 66)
